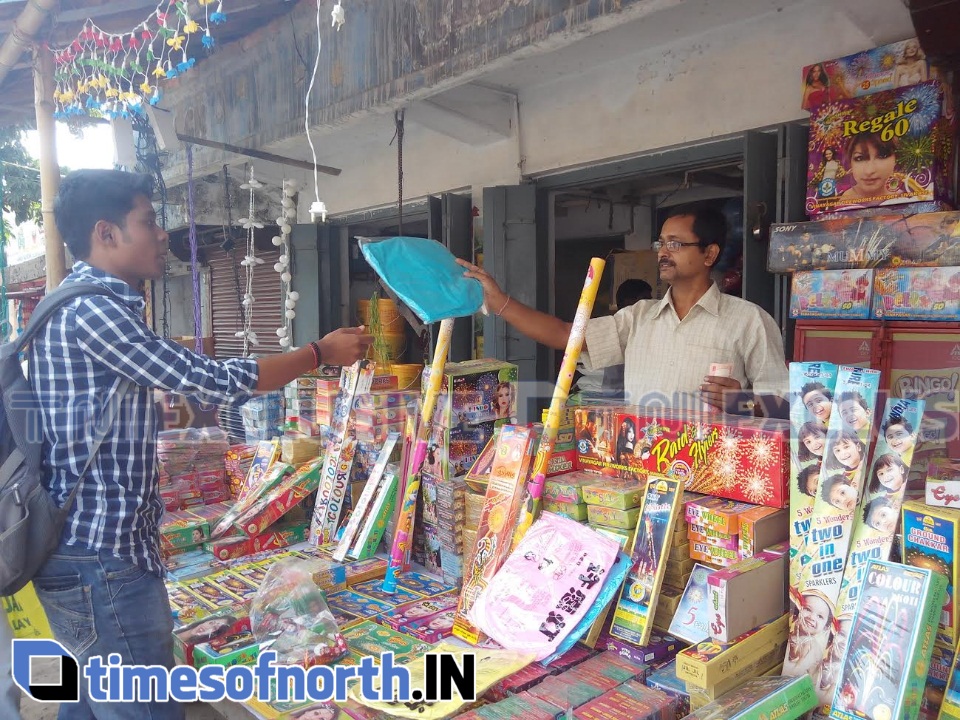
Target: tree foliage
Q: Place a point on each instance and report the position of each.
(21, 176)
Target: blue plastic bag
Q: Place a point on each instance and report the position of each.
(425, 276)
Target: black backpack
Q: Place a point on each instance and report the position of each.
(30, 522)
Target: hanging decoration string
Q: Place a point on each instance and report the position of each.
(250, 262)
(229, 245)
(108, 75)
(283, 264)
(194, 262)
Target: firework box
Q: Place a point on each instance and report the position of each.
(881, 68)
(931, 539)
(239, 649)
(811, 383)
(709, 536)
(893, 148)
(707, 663)
(917, 294)
(454, 451)
(418, 609)
(181, 529)
(691, 616)
(763, 697)
(341, 449)
(624, 537)
(680, 552)
(883, 241)
(950, 706)
(879, 507)
(471, 392)
(611, 517)
(497, 519)
(761, 527)
(522, 680)
(368, 638)
(831, 294)
(630, 701)
(651, 547)
(479, 473)
(714, 555)
(746, 595)
(659, 648)
(614, 493)
(891, 640)
(561, 462)
(574, 511)
(276, 503)
(423, 584)
(373, 589)
(762, 664)
(940, 663)
(277, 536)
(226, 623)
(665, 680)
(366, 498)
(264, 456)
(567, 488)
(369, 536)
(738, 458)
(716, 514)
(943, 483)
(823, 558)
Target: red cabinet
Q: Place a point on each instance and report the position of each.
(916, 359)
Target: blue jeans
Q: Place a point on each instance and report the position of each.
(98, 604)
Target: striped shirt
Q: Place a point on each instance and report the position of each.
(667, 358)
(76, 365)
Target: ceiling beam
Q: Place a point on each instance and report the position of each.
(258, 154)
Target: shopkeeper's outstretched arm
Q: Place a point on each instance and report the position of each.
(341, 347)
(540, 327)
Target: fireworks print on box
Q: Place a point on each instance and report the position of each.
(887, 148)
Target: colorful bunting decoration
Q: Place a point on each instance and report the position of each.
(109, 75)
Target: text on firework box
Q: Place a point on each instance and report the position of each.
(747, 594)
(848, 242)
(737, 458)
(943, 483)
(931, 540)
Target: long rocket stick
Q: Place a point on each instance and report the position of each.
(402, 537)
(534, 490)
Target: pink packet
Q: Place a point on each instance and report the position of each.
(545, 587)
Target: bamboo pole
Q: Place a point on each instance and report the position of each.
(43, 84)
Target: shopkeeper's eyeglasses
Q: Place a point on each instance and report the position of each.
(672, 245)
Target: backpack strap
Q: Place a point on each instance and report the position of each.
(53, 301)
(104, 424)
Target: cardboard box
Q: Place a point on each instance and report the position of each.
(707, 663)
(614, 493)
(918, 594)
(917, 294)
(702, 552)
(717, 514)
(739, 458)
(931, 539)
(859, 154)
(943, 483)
(746, 595)
(707, 536)
(879, 68)
(762, 697)
(568, 487)
(475, 391)
(761, 527)
(832, 294)
(884, 241)
(574, 511)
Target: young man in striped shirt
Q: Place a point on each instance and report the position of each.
(102, 589)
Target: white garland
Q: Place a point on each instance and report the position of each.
(250, 261)
(282, 266)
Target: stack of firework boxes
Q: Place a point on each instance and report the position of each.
(476, 398)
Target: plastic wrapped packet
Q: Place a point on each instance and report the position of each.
(289, 615)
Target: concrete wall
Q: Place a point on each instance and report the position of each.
(661, 74)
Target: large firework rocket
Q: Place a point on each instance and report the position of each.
(534, 489)
(403, 534)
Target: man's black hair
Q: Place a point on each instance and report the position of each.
(632, 291)
(709, 224)
(88, 196)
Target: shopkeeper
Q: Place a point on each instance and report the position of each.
(668, 345)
